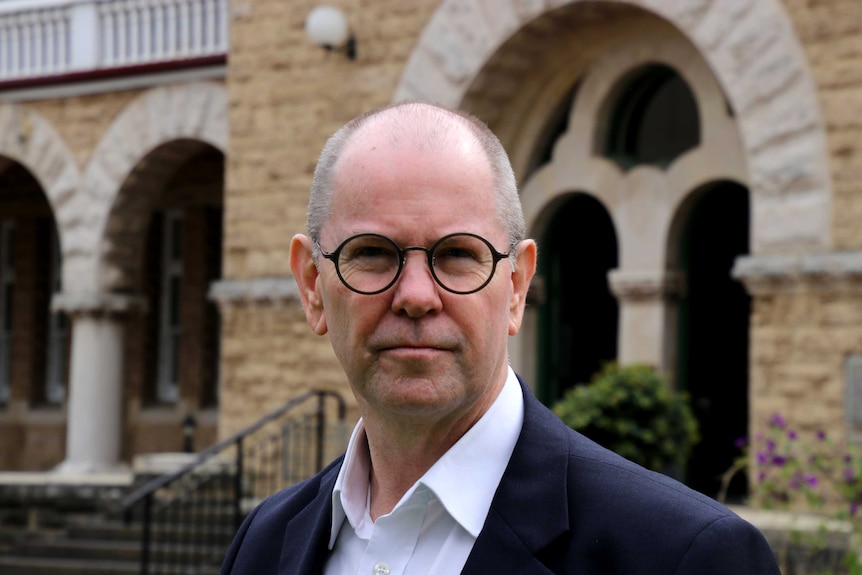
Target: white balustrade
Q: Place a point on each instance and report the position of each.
(48, 37)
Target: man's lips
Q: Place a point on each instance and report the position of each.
(408, 346)
(414, 347)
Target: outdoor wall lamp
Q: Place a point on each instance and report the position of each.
(188, 427)
(327, 27)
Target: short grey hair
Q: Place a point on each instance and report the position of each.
(435, 130)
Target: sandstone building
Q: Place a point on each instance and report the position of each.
(691, 170)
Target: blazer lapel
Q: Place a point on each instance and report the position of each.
(305, 547)
(530, 508)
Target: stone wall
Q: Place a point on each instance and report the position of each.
(806, 313)
(82, 120)
(287, 96)
(799, 343)
(803, 326)
(81, 123)
(830, 33)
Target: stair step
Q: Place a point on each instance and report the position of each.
(115, 550)
(16, 565)
(113, 530)
(116, 530)
(79, 549)
(11, 565)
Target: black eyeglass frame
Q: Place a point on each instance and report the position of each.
(333, 256)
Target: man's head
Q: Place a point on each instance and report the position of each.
(422, 347)
(438, 128)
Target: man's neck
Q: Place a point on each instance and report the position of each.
(402, 450)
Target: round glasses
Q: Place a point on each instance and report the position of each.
(370, 263)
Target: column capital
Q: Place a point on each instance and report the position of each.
(782, 273)
(644, 285)
(97, 304)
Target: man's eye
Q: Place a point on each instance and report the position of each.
(369, 252)
(456, 253)
(372, 253)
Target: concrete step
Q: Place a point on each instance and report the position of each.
(13, 565)
(114, 550)
(104, 529)
(117, 530)
(79, 549)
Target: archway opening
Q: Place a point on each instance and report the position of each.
(578, 313)
(34, 341)
(30, 336)
(714, 330)
(168, 222)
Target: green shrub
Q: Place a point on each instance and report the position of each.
(631, 410)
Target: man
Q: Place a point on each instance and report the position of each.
(416, 266)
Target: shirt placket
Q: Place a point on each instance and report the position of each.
(394, 537)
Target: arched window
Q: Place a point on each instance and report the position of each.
(652, 118)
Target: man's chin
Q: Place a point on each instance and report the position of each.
(414, 394)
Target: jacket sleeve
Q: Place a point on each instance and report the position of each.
(729, 546)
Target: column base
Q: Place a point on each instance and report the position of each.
(92, 472)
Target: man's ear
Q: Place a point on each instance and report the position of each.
(307, 279)
(525, 269)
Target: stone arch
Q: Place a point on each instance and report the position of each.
(27, 138)
(750, 47)
(629, 194)
(188, 117)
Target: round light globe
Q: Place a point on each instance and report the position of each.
(327, 27)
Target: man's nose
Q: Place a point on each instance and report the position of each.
(416, 291)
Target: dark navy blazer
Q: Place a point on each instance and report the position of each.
(564, 505)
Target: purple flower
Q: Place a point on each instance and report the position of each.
(761, 458)
(849, 476)
(779, 460)
(778, 421)
(811, 480)
(792, 435)
(770, 445)
(854, 508)
(740, 442)
(821, 435)
(761, 476)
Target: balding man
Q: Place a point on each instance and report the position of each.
(417, 267)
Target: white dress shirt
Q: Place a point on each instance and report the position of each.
(433, 527)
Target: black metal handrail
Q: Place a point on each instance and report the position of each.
(188, 516)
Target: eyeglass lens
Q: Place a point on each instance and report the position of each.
(370, 263)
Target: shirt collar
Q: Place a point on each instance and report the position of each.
(464, 479)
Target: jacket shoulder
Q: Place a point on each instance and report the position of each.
(290, 525)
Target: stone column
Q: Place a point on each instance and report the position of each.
(648, 316)
(94, 417)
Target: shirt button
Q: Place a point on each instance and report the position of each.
(381, 569)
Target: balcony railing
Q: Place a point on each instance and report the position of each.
(41, 38)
